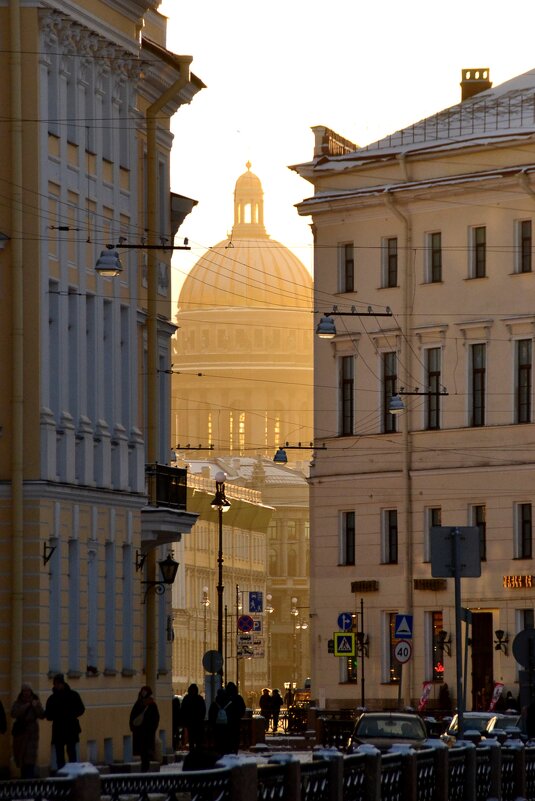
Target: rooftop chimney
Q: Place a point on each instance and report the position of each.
(474, 81)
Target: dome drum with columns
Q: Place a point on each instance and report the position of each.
(246, 325)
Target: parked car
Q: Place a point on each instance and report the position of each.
(488, 724)
(383, 729)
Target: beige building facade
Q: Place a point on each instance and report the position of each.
(432, 225)
(89, 88)
(243, 387)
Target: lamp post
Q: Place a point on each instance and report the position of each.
(269, 611)
(205, 604)
(220, 503)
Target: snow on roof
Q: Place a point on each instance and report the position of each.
(503, 111)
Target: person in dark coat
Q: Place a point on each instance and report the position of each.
(235, 713)
(266, 707)
(276, 703)
(27, 711)
(219, 721)
(63, 708)
(144, 720)
(193, 712)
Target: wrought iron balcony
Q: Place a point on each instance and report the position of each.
(167, 486)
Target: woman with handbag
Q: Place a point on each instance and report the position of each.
(26, 710)
(144, 719)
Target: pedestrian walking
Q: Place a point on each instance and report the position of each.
(235, 713)
(193, 712)
(276, 703)
(27, 710)
(63, 708)
(144, 720)
(219, 720)
(266, 707)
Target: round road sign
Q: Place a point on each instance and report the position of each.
(212, 661)
(403, 651)
(245, 623)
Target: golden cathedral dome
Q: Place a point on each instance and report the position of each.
(249, 269)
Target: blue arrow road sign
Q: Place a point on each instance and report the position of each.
(345, 621)
(403, 627)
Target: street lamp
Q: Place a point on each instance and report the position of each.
(269, 611)
(205, 602)
(220, 503)
(396, 405)
(326, 328)
(168, 569)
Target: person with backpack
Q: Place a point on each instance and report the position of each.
(218, 719)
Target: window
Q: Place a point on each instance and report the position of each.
(434, 257)
(347, 268)
(389, 389)
(479, 520)
(390, 536)
(432, 369)
(524, 542)
(347, 389)
(394, 667)
(478, 252)
(347, 538)
(437, 645)
(477, 390)
(525, 619)
(523, 260)
(523, 381)
(390, 262)
(433, 517)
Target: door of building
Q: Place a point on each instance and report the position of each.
(482, 660)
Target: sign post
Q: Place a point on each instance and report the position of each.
(454, 553)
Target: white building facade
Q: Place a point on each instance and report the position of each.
(434, 223)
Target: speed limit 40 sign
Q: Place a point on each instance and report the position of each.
(403, 651)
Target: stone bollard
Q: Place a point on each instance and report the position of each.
(410, 769)
(335, 762)
(372, 772)
(243, 777)
(519, 770)
(258, 729)
(440, 753)
(292, 775)
(85, 778)
(495, 768)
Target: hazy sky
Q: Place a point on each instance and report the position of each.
(273, 70)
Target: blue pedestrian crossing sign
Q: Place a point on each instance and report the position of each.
(255, 602)
(403, 629)
(344, 643)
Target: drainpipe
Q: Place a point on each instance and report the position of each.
(153, 416)
(406, 327)
(17, 352)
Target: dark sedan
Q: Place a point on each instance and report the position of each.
(383, 729)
